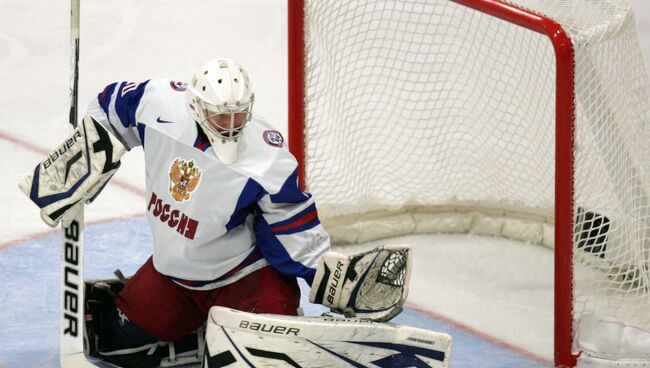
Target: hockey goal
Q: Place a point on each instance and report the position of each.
(525, 119)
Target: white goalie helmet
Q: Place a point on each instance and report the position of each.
(221, 101)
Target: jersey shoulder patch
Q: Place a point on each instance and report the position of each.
(273, 138)
(178, 86)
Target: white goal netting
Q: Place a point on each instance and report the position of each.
(428, 116)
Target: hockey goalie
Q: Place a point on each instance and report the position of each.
(232, 232)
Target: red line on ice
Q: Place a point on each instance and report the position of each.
(41, 234)
(479, 334)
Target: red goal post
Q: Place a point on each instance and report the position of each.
(564, 117)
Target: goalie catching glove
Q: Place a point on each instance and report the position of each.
(74, 173)
(371, 285)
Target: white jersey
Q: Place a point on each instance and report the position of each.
(213, 223)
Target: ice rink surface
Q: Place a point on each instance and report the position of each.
(498, 309)
(29, 316)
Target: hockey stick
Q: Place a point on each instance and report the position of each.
(71, 348)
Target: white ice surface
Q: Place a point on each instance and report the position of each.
(468, 280)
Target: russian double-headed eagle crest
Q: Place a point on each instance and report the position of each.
(184, 177)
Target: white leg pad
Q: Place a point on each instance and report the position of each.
(239, 339)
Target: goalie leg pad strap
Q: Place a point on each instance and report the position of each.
(74, 172)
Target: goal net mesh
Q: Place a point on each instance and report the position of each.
(442, 118)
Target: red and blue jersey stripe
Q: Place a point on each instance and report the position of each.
(303, 220)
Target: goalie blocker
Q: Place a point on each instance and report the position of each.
(74, 173)
(238, 339)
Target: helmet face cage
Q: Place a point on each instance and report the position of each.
(227, 129)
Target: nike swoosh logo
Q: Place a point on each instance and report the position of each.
(164, 121)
